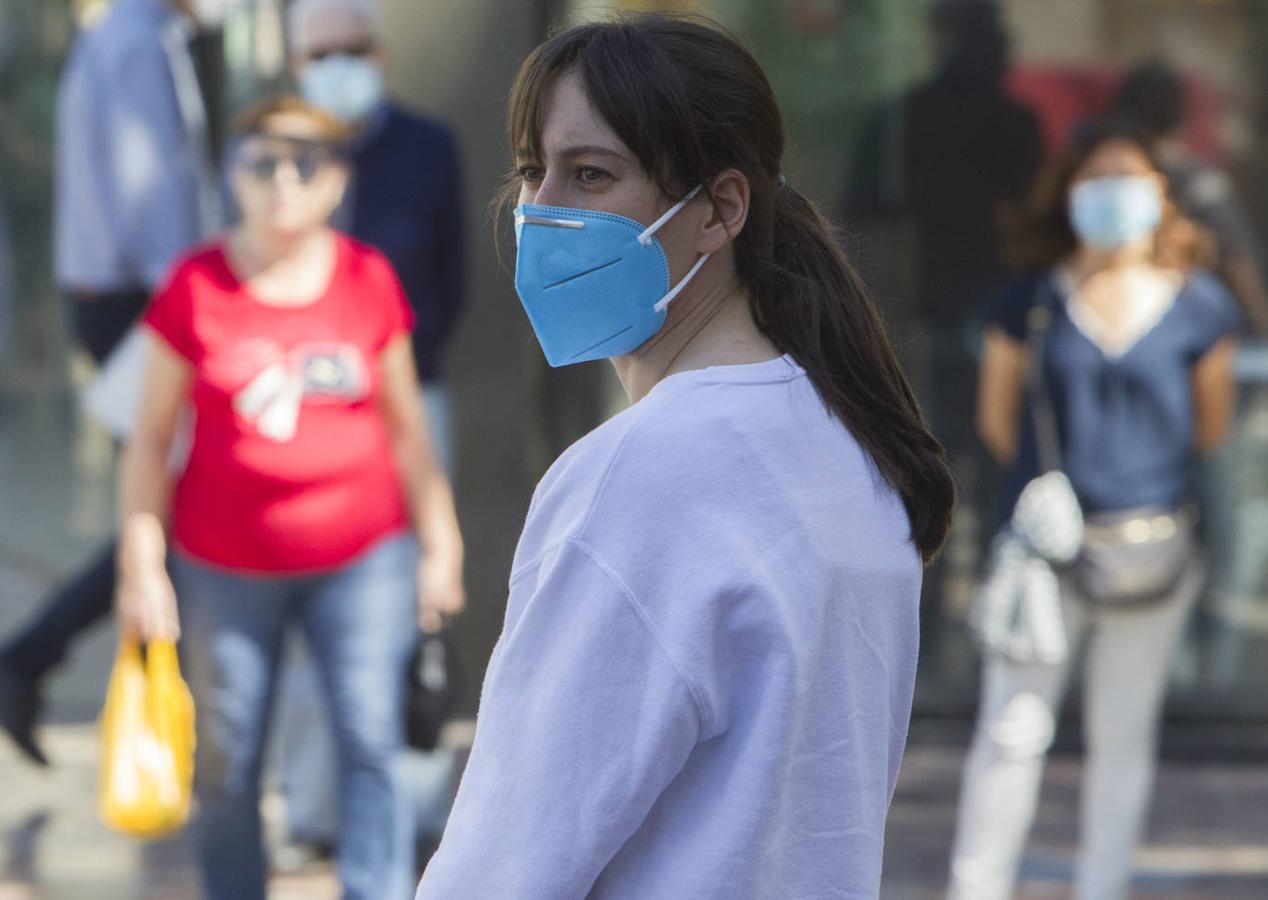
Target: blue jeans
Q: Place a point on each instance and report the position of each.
(359, 623)
(302, 752)
(437, 400)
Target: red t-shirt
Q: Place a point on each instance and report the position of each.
(291, 468)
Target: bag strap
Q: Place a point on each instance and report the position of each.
(1047, 437)
(128, 651)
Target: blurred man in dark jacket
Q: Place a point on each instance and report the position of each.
(406, 195)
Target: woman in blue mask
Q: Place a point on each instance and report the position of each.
(705, 677)
(1135, 345)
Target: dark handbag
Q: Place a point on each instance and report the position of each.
(1134, 557)
(432, 691)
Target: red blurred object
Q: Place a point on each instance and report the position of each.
(818, 17)
(1064, 96)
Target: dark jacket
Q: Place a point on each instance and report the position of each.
(406, 199)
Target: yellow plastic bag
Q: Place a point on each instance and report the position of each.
(147, 742)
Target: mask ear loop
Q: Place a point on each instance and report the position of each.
(646, 238)
(663, 303)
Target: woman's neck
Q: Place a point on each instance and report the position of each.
(1088, 261)
(283, 270)
(256, 251)
(710, 326)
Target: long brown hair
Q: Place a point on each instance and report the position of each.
(690, 102)
(1046, 236)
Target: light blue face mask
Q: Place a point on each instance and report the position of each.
(347, 87)
(1112, 211)
(594, 284)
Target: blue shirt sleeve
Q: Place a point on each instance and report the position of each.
(86, 246)
(150, 164)
(127, 179)
(1009, 308)
(1212, 313)
(584, 720)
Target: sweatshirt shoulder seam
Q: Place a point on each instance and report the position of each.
(697, 696)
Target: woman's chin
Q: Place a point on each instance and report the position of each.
(284, 227)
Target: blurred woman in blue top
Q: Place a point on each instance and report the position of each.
(1137, 363)
(704, 681)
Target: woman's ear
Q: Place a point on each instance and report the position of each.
(730, 191)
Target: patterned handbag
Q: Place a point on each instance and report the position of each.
(1017, 611)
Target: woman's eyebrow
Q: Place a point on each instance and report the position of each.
(590, 150)
(583, 150)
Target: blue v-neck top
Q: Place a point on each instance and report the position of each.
(1126, 423)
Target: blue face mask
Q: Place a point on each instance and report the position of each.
(1112, 211)
(347, 87)
(594, 284)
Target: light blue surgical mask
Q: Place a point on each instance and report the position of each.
(1112, 211)
(594, 284)
(347, 87)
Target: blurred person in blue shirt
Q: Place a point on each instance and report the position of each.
(134, 181)
(1156, 97)
(134, 187)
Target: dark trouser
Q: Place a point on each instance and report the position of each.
(100, 322)
(74, 607)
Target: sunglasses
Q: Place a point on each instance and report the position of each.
(359, 50)
(307, 164)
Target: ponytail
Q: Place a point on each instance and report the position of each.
(811, 303)
(690, 102)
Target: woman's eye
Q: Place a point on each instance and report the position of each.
(530, 174)
(589, 175)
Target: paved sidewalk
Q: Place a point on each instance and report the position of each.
(53, 846)
(1208, 839)
(1208, 835)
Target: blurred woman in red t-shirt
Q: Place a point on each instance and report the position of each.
(309, 485)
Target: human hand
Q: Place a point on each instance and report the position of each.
(441, 594)
(145, 605)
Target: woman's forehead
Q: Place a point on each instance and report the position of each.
(295, 127)
(270, 142)
(570, 121)
(333, 27)
(1117, 156)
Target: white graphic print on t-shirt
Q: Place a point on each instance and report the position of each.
(322, 372)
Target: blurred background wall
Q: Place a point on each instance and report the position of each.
(838, 66)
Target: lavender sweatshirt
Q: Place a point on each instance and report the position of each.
(704, 682)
